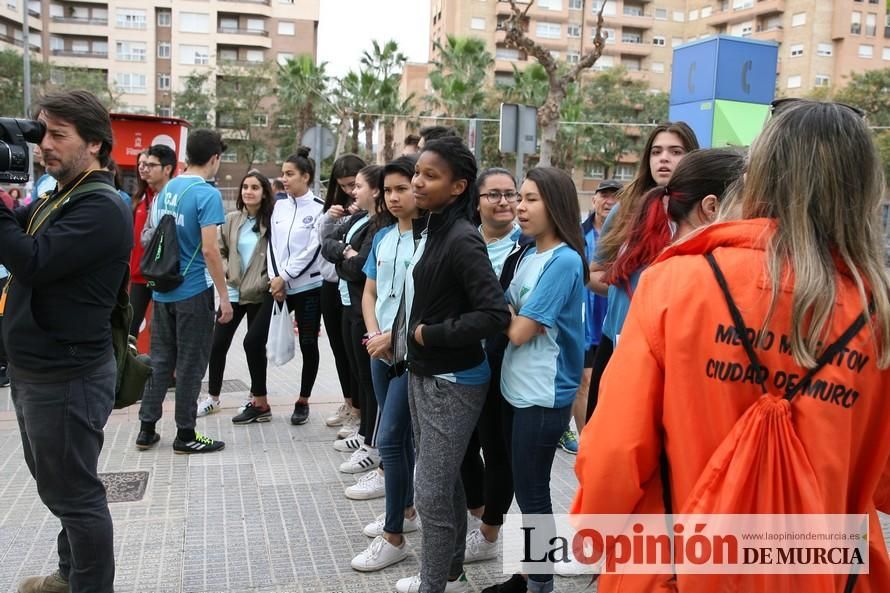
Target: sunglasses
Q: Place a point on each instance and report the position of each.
(779, 104)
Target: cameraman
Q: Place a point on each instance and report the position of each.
(67, 255)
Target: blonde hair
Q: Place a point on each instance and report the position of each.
(815, 170)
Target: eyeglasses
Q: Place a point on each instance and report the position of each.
(148, 165)
(495, 196)
(779, 104)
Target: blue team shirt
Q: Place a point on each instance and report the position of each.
(387, 264)
(247, 242)
(545, 371)
(595, 305)
(499, 251)
(194, 209)
(341, 285)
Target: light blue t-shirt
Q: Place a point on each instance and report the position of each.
(195, 204)
(3, 272)
(247, 242)
(499, 250)
(387, 264)
(619, 305)
(545, 371)
(344, 288)
(45, 184)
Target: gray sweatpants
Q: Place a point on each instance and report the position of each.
(443, 415)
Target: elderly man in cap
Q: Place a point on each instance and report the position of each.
(595, 306)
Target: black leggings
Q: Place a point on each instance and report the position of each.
(140, 297)
(603, 355)
(307, 311)
(332, 312)
(353, 332)
(489, 483)
(258, 317)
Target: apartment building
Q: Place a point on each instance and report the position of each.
(821, 42)
(148, 48)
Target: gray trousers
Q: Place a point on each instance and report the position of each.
(443, 416)
(181, 335)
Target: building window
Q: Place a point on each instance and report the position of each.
(856, 23)
(130, 18)
(611, 8)
(79, 46)
(679, 16)
(796, 50)
(871, 21)
(555, 54)
(799, 19)
(824, 49)
(550, 4)
(130, 82)
(631, 36)
(546, 30)
(165, 111)
(866, 51)
(658, 40)
(608, 35)
(164, 50)
(631, 10)
(885, 54)
(130, 51)
(675, 41)
(742, 4)
(260, 120)
(165, 17)
(194, 54)
(255, 55)
(573, 57)
(283, 57)
(632, 63)
(693, 15)
(477, 24)
(229, 157)
(604, 63)
(573, 30)
(256, 25)
(625, 172)
(596, 171)
(706, 12)
(823, 80)
(661, 14)
(658, 67)
(576, 4)
(287, 28)
(163, 82)
(194, 22)
(506, 53)
(794, 82)
(227, 55)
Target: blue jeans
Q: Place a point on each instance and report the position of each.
(532, 435)
(395, 442)
(62, 435)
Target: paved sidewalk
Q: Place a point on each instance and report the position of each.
(265, 515)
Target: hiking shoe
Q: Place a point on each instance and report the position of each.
(300, 415)
(478, 548)
(515, 584)
(201, 444)
(568, 442)
(375, 528)
(146, 440)
(362, 460)
(208, 406)
(369, 486)
(353, 443)
(339, 417)
(380, 554)
(350, 426)
(53, 583)
(252, 413)
(412, 585)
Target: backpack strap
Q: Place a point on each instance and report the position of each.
(827, 355)
(272, 253)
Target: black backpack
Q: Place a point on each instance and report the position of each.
(160, 261)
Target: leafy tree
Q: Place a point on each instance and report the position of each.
(459, 76)
(301, 100)
(870, 91)
(12, 92)
(242, 102)
(196, 102)
(384, 63)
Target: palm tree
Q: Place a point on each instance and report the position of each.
(385, 64)
(300, 86)
(458, 79)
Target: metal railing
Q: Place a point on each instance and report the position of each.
(79, 20)
(240, 31)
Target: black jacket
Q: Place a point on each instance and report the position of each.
(457, 297)
(64, 283)
(350, 269)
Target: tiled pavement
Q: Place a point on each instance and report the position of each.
(266, 515)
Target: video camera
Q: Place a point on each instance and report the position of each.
(14, 151)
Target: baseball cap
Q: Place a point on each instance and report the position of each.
(609, 184)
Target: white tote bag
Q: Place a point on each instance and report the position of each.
(280, 344)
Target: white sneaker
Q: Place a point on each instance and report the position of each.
(369, 486)
(473, 522)
(375, 528)
(350, 426)
(339, 417)
(208, 406)
(380, 554)
(362, 460)
(353, 443)
(479, 548)
(412, 585)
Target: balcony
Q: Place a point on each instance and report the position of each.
(74, 53)
(642, 49)
(79, 20)
(263, 7)
(237, 36)
(731, 16)
(776, 34)
(636, 21)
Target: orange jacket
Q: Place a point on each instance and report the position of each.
(656, 395)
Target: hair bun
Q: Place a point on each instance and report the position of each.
(303, 151)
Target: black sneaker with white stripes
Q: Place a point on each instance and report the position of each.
(201, 444)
